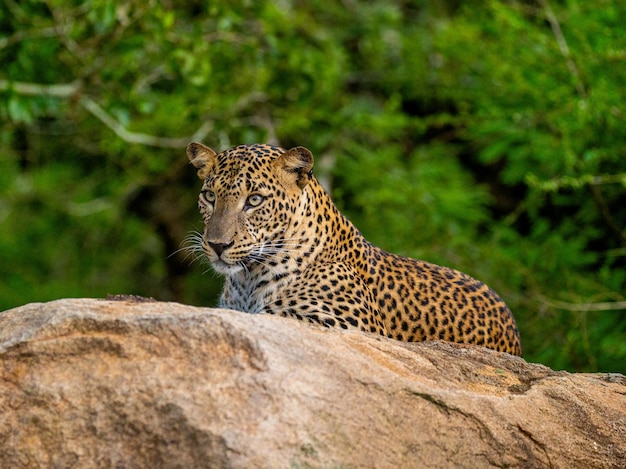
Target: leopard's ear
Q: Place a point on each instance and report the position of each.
(297, 162)
(202, 157)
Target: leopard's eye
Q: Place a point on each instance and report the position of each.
(209, 196)
(254, 200)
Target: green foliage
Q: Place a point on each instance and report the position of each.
(485, 136)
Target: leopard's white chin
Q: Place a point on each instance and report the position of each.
(224, 268)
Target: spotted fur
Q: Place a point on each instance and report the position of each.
(285, 249)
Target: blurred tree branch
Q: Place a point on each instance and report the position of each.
(596, 191)
(605, 306)
(141, 138)
(606, 214)
(564, 48)
(67, 90)
(27, 34)
(64, 90)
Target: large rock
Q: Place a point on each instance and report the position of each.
(131, 384)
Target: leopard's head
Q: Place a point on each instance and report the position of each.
(250, 196)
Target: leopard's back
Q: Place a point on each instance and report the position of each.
(422, 301)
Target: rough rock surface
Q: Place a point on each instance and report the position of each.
(129, 384)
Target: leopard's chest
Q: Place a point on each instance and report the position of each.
(253, 295)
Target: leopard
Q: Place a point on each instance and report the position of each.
(284, 248)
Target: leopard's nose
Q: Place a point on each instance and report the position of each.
(219, 248)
